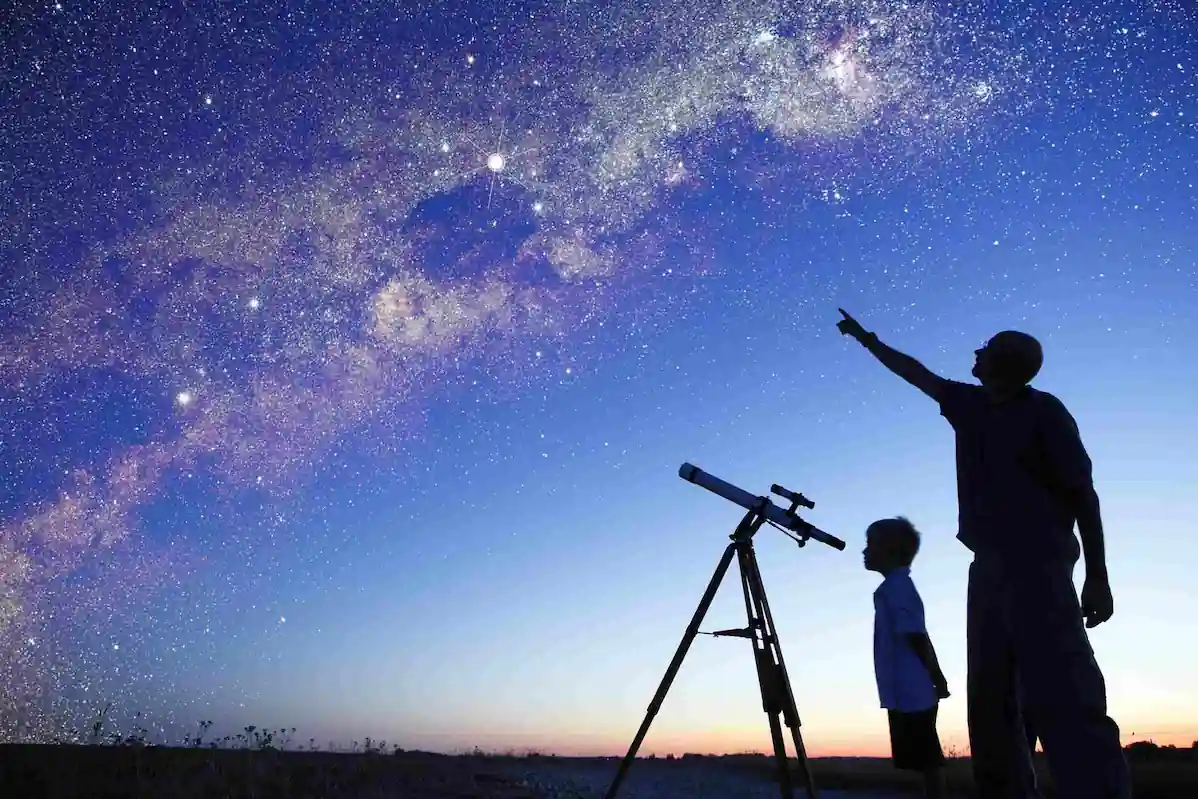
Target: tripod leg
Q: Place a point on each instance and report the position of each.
(691, 631)
(773, 676)
(766, 674)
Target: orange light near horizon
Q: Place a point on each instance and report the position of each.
(744, 742)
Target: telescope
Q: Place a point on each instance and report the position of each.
(777, 695)
(785, 519)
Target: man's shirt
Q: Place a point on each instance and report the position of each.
(903, 682)
(1018, 462)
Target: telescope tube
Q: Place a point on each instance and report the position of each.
(693, 474)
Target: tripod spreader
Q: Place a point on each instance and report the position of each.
(739, 632)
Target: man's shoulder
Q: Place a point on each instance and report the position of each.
(1043, 397)
(1049, 405)
(959, 388)
(957, 399)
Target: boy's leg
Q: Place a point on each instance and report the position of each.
(1064, 688)
(915, 746)
(933, 783)
(1002, 763)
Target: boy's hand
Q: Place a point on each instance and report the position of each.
(849, 326)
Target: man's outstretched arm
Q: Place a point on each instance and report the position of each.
(901, 364)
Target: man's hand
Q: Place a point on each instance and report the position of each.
(1097, 603)
(941, 686)
(850, 326)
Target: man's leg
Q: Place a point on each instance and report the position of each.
(1063, 687)
(1002, 764)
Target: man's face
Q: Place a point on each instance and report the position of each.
(984, 361)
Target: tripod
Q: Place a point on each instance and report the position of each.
(776, 696)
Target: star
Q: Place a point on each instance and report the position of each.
(500, 157)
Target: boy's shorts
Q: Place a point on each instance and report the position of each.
(914, 742)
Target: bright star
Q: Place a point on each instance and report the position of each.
(499, 158)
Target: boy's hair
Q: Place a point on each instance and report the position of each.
(900, 534)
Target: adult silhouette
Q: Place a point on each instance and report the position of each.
(1023, 479)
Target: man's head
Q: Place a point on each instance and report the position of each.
(890, 544)
(1008, 361)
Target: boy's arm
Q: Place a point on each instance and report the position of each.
(921, 645)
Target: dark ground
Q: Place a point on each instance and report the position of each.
(117, 772)
(141, 772)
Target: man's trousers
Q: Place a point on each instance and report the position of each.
(1029, 657)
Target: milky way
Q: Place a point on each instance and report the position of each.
(449, 218)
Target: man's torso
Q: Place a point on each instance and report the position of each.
(1005, 500)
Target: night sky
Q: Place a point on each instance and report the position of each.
(348, 354)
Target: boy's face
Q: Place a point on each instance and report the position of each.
(878, 556)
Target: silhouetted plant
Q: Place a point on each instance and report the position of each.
(98, 724)
(197, 740)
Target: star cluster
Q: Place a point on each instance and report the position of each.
(274, 256)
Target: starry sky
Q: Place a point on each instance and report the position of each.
(348, 352)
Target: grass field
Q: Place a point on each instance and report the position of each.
(153, 772)
(265, 772)
(1151, 780)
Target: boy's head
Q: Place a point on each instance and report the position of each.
(890, 544)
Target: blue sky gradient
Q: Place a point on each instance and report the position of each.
(500, 553)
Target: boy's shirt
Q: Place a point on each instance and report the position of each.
(903, 682)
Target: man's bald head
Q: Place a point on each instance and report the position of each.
(1009, 359)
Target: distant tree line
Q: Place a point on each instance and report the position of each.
(1149, 751)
